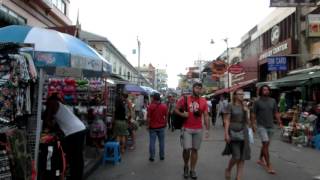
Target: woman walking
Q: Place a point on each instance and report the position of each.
(236, 134)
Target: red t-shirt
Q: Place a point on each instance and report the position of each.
(157, 113)
(194, 104)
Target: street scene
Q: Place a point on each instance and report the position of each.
(159, 90)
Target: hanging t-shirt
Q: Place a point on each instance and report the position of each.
(194, 105)
(68, 122)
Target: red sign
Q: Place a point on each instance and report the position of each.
(235, 69)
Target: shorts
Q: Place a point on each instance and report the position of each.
(265, 133)
(191, 138)
(120, 128)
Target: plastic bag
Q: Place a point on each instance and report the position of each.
(251, 138)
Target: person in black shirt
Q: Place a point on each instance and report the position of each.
(121, 117)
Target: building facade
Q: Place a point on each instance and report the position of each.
(120, 65)
(40, 13)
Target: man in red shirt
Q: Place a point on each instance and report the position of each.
(191, 133)
(156, 123)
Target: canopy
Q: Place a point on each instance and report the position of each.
(132, 88)
(300, 79)
(53, 48)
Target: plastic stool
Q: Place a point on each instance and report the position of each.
(112, 152)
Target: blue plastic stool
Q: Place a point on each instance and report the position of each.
(111, 152)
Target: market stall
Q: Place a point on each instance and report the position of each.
(18, 112)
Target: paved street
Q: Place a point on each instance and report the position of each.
(289, 161)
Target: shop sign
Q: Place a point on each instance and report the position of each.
(313, 25)
(292, 3)
(277, 63)
(275, 35)
(219, 67)
(276, 50)
(235, 69)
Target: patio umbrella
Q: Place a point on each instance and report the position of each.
(132, 88)
(53, 48)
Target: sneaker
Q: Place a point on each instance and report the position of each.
(186, 172)
(151, 159)
(161, 158)
(193, 175)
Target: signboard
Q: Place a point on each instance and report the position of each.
(43, 59)
(235, 69)
(292, 3)
(277, 63)
(313, 25)
(283, 48)
(219, 67)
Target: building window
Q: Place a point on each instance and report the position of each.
(129, 76)
(13, 14)
(114, 67)
(60, 4)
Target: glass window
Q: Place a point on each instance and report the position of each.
(3, 8)
(63, 8)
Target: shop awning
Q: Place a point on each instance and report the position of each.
(300, 79)
(132, 88)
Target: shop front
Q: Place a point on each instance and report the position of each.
(283, 49)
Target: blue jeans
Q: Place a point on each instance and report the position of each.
(153, 133)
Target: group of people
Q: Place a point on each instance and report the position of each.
(238, 116)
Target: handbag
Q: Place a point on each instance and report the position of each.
(237, 135)
(227, 150)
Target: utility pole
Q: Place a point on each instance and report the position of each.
(139, 45)
(228, 62)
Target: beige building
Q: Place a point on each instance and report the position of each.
(40, 13)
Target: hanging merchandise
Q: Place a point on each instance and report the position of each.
(17, 77)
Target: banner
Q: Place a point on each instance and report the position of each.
(292, 3)
(313, 25)
(219, 67)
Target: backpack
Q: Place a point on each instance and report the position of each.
(97, 129)
(177, 120)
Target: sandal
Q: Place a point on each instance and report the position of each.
(271, 171)
(227, 175)
(261, 163)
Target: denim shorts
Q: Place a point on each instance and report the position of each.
(265, 133)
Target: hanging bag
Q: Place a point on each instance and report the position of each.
(178, 121)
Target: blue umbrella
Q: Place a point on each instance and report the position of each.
(53, 48)
(132, 88)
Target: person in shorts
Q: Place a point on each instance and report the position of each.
(191, 133)
(264, 112)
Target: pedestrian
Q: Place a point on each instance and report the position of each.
(74, 133)
(192, 130)
(214, 103)
(121, 119)
(236, 134)
(223, 102)
(264, 112)
(171, 107)
(156, 124)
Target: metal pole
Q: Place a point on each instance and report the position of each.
(139, 45)
(298, 35)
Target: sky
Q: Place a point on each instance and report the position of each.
(173, 33)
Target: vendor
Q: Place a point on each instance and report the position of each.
(74, 133)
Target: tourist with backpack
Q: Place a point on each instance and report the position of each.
(156, 124)
(192, 130)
